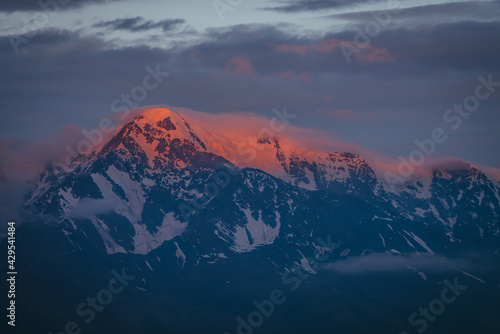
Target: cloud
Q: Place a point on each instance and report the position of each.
(294, 6)
(436, 13)
(21, 160)
(88, 207)
(12, 196)
(33, 5)
(371, 54)
(239, 65)
(239, 125)
(383, 262)
(139, 24)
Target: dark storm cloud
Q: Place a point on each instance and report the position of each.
(46, 5)
(314, 5)
(139, 24)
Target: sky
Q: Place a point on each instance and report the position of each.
(378, 74)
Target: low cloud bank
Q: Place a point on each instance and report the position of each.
(383, 262)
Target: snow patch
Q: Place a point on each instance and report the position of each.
(253, 234)
(180, 254)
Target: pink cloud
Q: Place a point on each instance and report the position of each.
(372, 54)
(22, 160)
(194, 54)
(300, 49)
(239, 65)
(239, 125)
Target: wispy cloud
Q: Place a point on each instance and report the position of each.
(437, 13)
(31, 5)
(89, 207)
(314, 5)
(139, 24)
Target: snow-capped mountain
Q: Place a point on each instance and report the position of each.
(131, 193)
(184, 201)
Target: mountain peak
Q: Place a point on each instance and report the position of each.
(156, 114)
(162, 119)
(157, 133)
